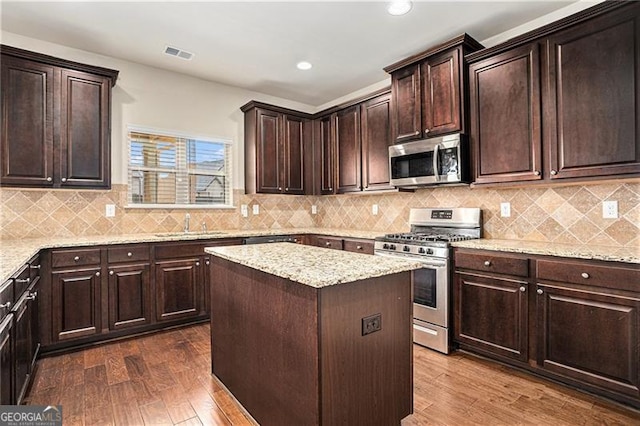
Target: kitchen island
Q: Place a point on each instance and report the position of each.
(306, 335)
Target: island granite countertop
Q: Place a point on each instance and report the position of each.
(313, 266)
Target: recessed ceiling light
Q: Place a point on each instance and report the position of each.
(398, 8)
(304, 65)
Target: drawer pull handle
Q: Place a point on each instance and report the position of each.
(523, 289)
(584, 275)
(32, 296)
(111, 272)
(129, 254)
(197, 263)
(358, 247)
(76, 258)
(487, 263)
(539, 291)
(97, 274)
(24, 281)
(35, 266)
(6, 305)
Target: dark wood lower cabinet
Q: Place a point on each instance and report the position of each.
(492, 314)
(76, 303)
(26, 342)
(590, 336)
(6, 361)
(178, 289)
(129, 296)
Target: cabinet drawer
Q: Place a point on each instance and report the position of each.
(587, 273)
(492, 262)
(359, 246)
(330, 242)
(21, 281)
(128, 253)
(75, 257)
(6, 298)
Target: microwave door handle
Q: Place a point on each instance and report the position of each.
(436, 161)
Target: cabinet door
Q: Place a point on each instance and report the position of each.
(84, 147)
(590, 336)
(491, 315)
(75, 303)
(348, 150)
(293, 153)
(178, 289)
(129, 296)
(594, 97)
(22, 346)
(268, 152)
(6, 361)
(407, 112)
(441, 108)
(324, 160)
(376, 138)
(505, 116)
(27, 123)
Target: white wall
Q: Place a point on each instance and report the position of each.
(151, 97)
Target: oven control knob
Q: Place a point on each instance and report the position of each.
(421, 250)
(406, 248)
(385, 246)
(392, 247)
(429, 251)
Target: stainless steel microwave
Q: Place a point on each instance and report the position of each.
(441, 160)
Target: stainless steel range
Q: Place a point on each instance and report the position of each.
(432, 231)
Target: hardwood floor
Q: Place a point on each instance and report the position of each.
(165, 379)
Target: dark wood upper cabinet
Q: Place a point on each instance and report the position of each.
(324, 159)
(277, 150)
(428, 91)
(375, 116)
(506, 133)
(594, 97)
(560, 102)
(55, 122)
(348, 150)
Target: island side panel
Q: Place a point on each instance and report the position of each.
(264, 343)
(366, 379)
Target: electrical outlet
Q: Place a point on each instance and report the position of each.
(505, 209)
(314, 209)
(256, 209)
(371, 324)
(610, 209)
(110, 210)
(244, 210)
(374, 209)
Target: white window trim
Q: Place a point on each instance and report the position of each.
(178, 134)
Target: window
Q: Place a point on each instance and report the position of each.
(169, 170)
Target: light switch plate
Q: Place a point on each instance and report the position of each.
(374, 209)
(256, 209)
(505, 209)
(610, 209)
(110, 210)
(314, 209)
(244, 210)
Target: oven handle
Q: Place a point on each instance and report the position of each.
(425, 330)
(436, 160)
(426, 262)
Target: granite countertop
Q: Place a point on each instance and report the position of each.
(628, 254)
(313, 266)
(15, 253)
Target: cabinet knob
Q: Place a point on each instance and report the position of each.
(523, 289)
(358, 247)
(32, 296)
(197, 263)
(417, 132)
(330, 189)
(6, 305)
(328, 244)
(553, 172)
(111, 272)
(279, 188)
(97, 274)
(207, 263)
(536, 172)
(129, 254)
(426, 130)
(24, 281)
(63, 180)
(487, 263)
(76, 258)
(49, 179)
(539, 291)
(584, 275)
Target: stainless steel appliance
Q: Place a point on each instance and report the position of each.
(442, 160)
(432, 231)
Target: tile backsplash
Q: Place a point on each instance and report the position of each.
(567, 214)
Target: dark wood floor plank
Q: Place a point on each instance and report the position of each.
(116, 368)
(123, 393)
(96, 388)
(127, 414)
(136, 367)
(93, 356)
(98, 415)
(155, 414)
(72, 401)
(194, 421)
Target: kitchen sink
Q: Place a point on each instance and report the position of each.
(185, 234)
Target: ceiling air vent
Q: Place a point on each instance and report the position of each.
(182, 54)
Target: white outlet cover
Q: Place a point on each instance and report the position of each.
(609, 209)
(314, 209)
(110, 210)
(244, 210)
(374, 209)
(256, 209)
(505, 209)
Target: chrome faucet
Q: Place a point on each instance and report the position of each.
(204, 226)
(187, 217)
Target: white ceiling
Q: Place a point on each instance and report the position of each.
(256, 45)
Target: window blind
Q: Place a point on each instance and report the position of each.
(167, 170)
